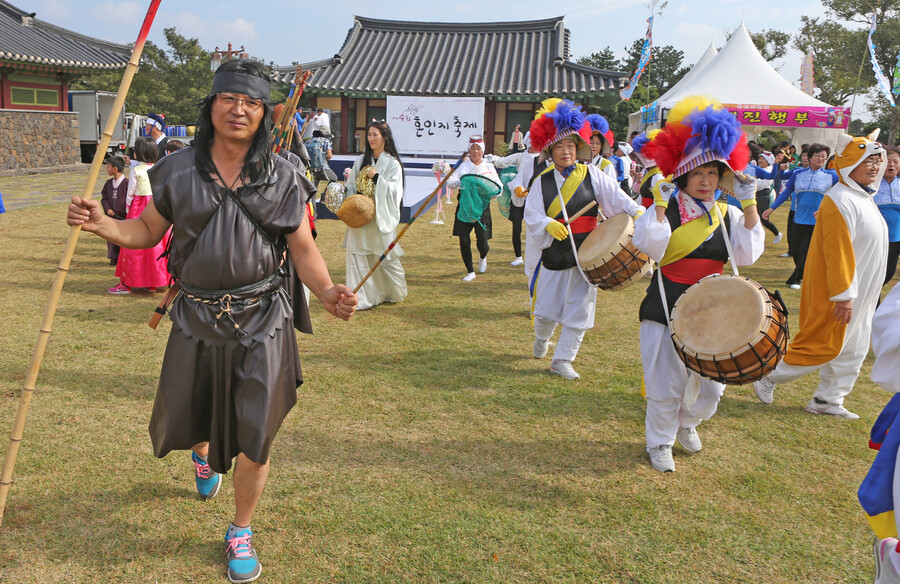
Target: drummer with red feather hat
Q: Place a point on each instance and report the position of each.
(701, 147)
(560, 292)
(601, 145)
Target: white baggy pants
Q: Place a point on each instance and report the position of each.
(836, 377)
(665, 379)
(569, 338)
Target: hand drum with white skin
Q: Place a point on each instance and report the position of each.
(730, 329)
(609, 259)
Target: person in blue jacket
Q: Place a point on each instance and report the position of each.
(806, 188)
(888, 200)
(766, 170)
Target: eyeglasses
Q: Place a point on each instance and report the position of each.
(872, 161)
(248, 103)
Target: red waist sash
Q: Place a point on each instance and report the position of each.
(691, 270)
(583, 224)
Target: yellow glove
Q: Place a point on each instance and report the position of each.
(662, 191)
(557, 230)
(521, 192)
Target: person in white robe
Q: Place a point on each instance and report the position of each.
(365, 244)
(521, 160)
(561, 293)
(519, 187)
(684, 235)
(601, 145)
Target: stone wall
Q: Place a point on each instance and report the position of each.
(32, 139)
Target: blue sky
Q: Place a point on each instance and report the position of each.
(284, 31)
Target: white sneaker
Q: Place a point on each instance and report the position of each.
(885, 573)
(469, 277)
(482, 265)
(689, 439)
(785, 255)
(661, 458)
(540, 348)
(517, 262)
(564, 369)
(814, 407)
(777, 238)
(794, 286)
(765, 390)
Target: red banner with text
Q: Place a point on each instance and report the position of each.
(791, 117)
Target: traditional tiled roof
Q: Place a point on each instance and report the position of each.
(26, 39)
(511, 60)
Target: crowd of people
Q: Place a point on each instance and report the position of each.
(229, 223)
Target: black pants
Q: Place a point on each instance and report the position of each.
(516, 216)
(465, 248)
(803, 233)
(791, 235)
(762, 203)
(893, 256)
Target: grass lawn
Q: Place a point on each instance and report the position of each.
(427, 444)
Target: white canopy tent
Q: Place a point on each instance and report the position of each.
(740, 78)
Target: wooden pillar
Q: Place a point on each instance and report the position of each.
(2, 91)
(344, 146)
(63, 96)
(489, 106)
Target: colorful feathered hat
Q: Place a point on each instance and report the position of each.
(558, 119)
(638, 144)
(700, 130)
(599, 125)
(851, 152)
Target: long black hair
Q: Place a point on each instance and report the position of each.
(258, 163)
(389, 145)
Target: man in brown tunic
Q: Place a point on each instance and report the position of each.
(231, 368)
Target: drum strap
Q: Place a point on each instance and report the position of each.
(734, 267)
(565, 214)
(662, 295)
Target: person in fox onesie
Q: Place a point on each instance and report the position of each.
(844, 272)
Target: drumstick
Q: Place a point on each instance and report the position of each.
(581, 212)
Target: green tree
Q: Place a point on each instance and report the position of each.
(772, 44)
(605, 59)
(887, 46)
(170, 82)
(839, 53)
(664, 69)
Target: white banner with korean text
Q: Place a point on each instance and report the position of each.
(434, 126)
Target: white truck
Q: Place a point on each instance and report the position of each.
(93, 109)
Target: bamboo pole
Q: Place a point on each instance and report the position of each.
(411, 221)
(15, 439)
(285, 110)
(292, 104)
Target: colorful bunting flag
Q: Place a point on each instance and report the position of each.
(807, 80)
(646, 51)
(879, 74)
(897, 75)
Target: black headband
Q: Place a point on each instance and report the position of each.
(250, 85)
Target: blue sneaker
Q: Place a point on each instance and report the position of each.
(208, 480)
(243, 563)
